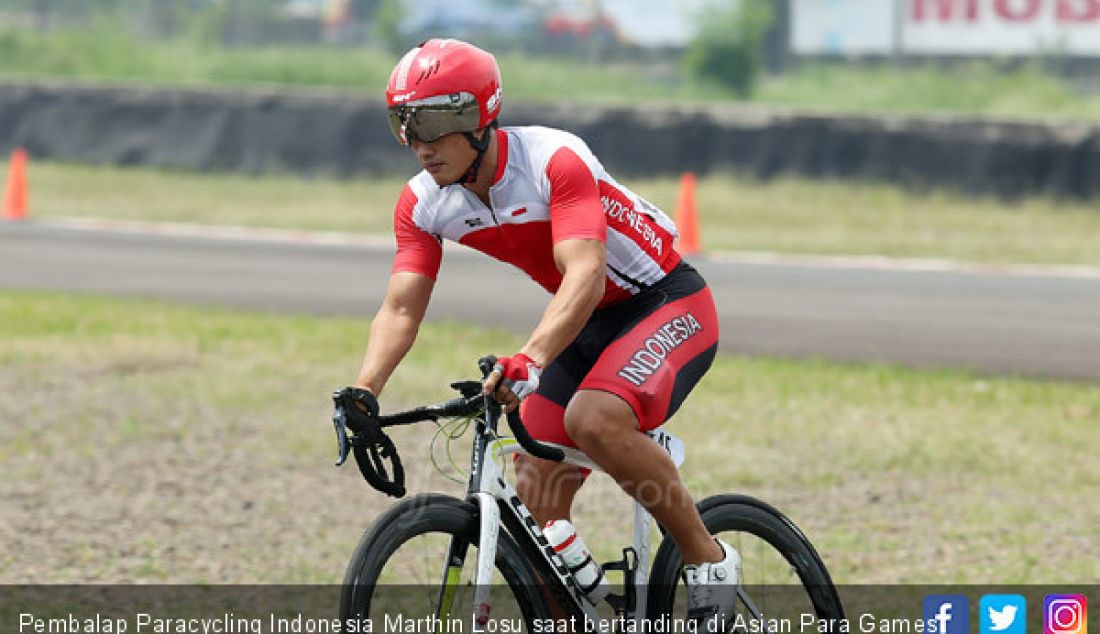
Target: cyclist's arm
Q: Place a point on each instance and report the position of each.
(583, 264)
(394, 328)
(579, 229)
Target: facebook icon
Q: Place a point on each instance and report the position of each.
(946, 614)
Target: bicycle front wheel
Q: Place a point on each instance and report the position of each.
(782, 576)
(418, 561)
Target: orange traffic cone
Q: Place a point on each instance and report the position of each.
(687, 222)
(14, 206)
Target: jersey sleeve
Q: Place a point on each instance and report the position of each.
(417, 250)
(575, 208)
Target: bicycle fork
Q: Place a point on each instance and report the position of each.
(490, 492)
(489, 518)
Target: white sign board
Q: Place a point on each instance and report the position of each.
(946, 27)
(1017, 27)
(842, 27)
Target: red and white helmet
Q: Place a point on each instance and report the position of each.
(440, 87)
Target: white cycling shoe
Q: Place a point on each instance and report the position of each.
(712, 590)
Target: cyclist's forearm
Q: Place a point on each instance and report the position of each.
(392, 334)
(581, 290)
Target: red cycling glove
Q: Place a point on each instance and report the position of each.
(519, 373)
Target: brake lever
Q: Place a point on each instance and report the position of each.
(343, 446)
(486, 365)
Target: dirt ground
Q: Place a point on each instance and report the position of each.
(217, 498)
(189, 446)
(104, 483)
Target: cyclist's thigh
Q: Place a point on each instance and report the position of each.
(655, 363)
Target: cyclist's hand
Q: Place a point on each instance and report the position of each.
(512, 380)
(360, 407)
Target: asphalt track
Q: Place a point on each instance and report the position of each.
(1035, 323)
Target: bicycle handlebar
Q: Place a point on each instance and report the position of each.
(529, 444)
(460, 406)
(371, 445)
(466, 406)
(463, 406)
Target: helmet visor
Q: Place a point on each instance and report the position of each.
(435, 117)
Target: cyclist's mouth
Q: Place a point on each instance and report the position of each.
(434, 167)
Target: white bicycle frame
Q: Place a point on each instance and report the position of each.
(493, 491)
(498, 503)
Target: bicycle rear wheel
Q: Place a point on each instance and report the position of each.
(782, 575)
(418, 561)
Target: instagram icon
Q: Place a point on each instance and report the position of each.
(1065, 614)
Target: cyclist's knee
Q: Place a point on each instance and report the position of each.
(595, 418)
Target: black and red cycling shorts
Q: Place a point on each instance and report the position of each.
(650, 350)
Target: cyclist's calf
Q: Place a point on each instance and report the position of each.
(547, 488)
(605, 428)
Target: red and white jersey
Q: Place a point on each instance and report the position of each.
(548, 187)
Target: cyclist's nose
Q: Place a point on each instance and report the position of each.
(423, 150)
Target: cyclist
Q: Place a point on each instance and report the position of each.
(629, 331)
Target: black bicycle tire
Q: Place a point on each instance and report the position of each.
(748, 514)
(433, 513)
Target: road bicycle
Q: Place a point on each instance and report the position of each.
(415, 561)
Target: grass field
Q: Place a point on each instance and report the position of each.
(977, 88)
(111, 55)
(143, 442)
(787, 216)
(106, 52)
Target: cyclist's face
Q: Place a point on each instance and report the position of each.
(446, 159)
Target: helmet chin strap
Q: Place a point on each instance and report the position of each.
(480, 146)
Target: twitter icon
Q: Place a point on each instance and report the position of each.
(1003, 614)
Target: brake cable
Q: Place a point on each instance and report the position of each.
(452, 430)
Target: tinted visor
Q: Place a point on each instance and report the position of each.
(435, 117)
